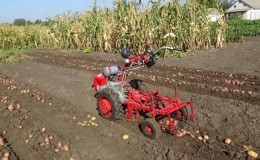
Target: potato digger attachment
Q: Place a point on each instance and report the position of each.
(163, 112)
(116, 96)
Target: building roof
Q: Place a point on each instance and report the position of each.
(252, 3)
(244, 5)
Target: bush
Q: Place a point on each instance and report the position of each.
(238, 29)
(12, 56)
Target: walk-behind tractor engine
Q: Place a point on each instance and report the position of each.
(116, 96)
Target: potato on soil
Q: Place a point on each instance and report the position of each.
(20, 127)
(46, 140)
(43, 129)
(6, 156)
(30, 136)
(1, 141)
(56, 150)
(42, 144)
(125, 137)
(228, 141)
(66, 147)
(4, 132)
(206, 137)
(59, 144)
(200, 138)
(18, 106)
(252, 154)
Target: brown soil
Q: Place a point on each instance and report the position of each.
(224, 89)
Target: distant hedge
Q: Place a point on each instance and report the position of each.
(238, 29)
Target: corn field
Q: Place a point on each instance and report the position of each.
(126, 24)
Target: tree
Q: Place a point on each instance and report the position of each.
(208, 3)
(223, 4)
(38, 21)
(226, 5)
(29, 22)
(19, 22)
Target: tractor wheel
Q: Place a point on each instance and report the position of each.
(138, 84)
(108, 104)
(151, 128)
(181, 114)
(142, 87)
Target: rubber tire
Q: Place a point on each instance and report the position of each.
(184, 113)
(141, 86)
(138, 85)
(155, 128)
(113, 98)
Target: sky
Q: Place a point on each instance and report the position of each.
(39, 9)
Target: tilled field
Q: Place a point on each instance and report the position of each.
(26, 128)
(37, 126)
(42, 123)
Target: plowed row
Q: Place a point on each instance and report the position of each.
(27, 128)
(224, 85)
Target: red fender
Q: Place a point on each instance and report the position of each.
(99, 80)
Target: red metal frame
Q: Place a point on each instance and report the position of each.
(148, 130)
(105, 107)
(150, 102)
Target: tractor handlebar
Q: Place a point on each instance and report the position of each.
(165, 47)
(146, 58)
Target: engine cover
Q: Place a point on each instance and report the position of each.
(111, 71)
(99, 81)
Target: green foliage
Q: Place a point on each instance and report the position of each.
(225, 5)
(29, 22)
(129, 23)
(236, 16)
(12, 56)
(86, 50)
(209, 3)
(38, 21)
(168, 53)
(19, 22)
(237, 29)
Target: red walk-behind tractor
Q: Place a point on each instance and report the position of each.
(115, 97)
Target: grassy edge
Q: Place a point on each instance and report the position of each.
(13, 56)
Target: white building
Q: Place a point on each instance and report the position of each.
(214, 15)
(250, 9)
